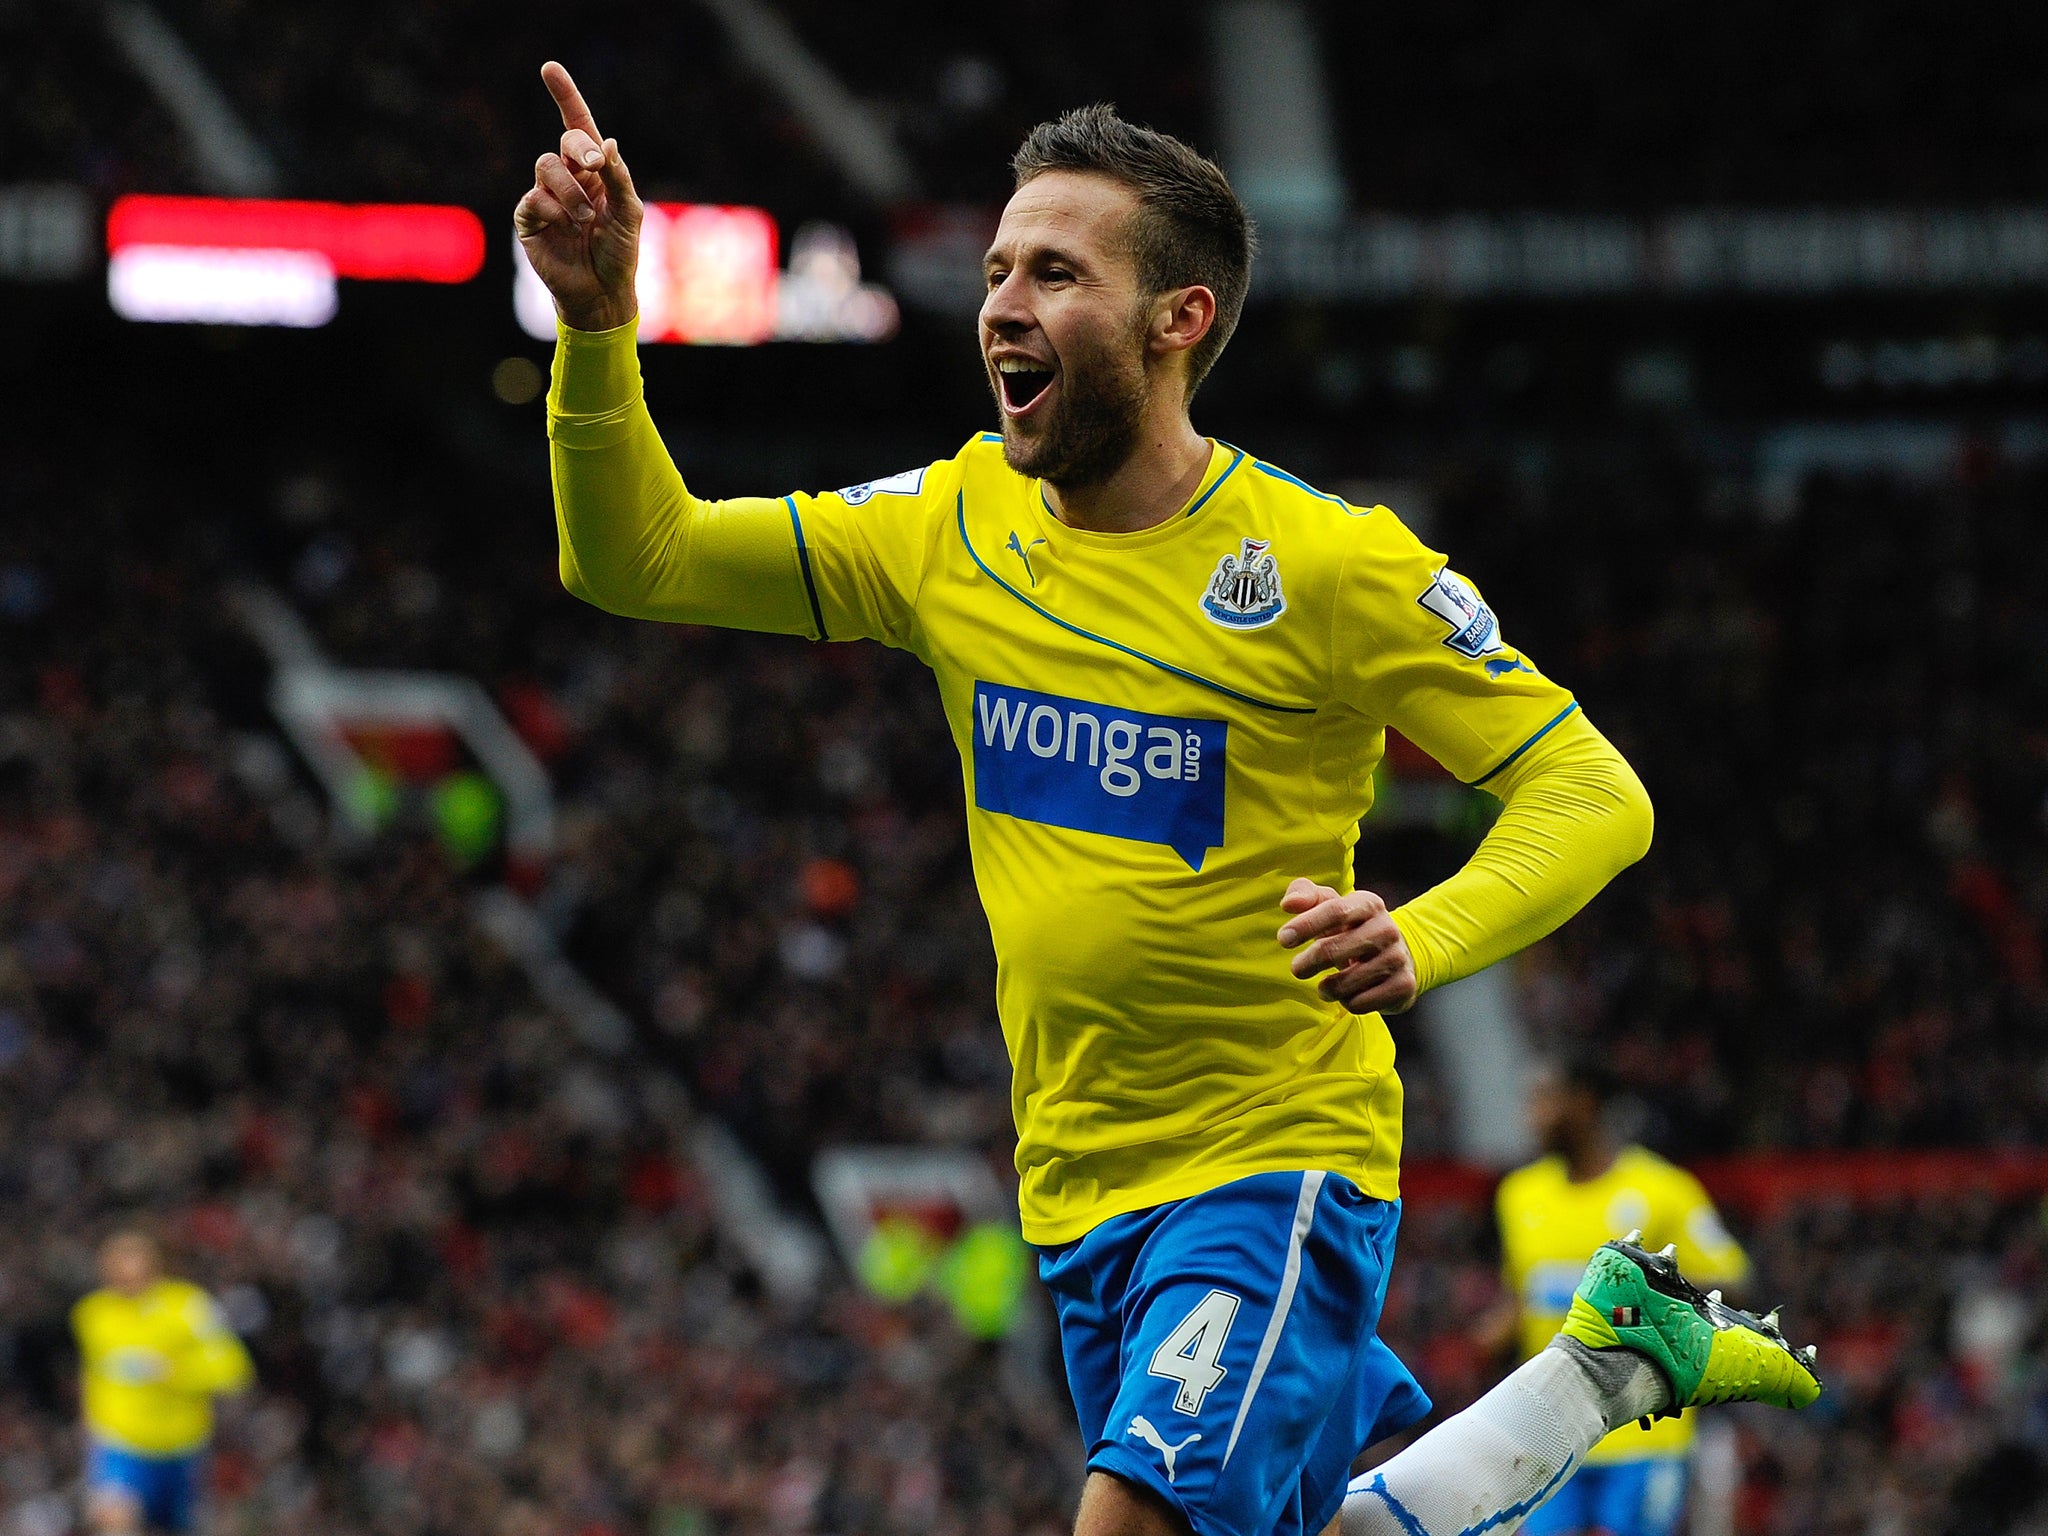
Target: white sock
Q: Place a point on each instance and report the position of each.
(1488, 1468)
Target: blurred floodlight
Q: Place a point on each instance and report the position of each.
(708, 275)
(257, 261)
(380, 242)
(517, 380)
(221, 287)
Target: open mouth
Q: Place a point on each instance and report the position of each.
(1023, 381)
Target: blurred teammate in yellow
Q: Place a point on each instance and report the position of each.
(154, 1353)
(1584, 1190)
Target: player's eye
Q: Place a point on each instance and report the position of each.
(995, 280)
(1058, 275)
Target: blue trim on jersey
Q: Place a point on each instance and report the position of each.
(991, 437)
(1556, 720)
(803, 559)
(1299, 484)
(960, 513)
(1191, 511)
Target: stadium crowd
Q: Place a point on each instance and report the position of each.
(476, 1267)
(476, 1270)
(1837, 944)
(1567, 106)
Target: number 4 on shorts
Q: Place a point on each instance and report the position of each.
(1189, 1353)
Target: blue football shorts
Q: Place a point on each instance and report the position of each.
(167, 1487)
(1616, 1498)
(1223, 1353)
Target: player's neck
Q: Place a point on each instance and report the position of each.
(1590, 1160)
(1151, 485)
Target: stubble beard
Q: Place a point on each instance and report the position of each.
(1093, 426)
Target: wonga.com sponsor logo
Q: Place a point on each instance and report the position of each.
(1096, 768)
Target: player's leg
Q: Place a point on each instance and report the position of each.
(173, 1501)
(1112, 1507)
(1084, 1284)
(113, 1511)
(1245, 1312)
(1498, 1461)
(1639, 1340)
(114, 1491)
(1568, 1512)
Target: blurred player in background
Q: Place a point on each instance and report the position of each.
(154, 1353)
(1588, 1187)
(1169, 668)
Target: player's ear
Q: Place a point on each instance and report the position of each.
(1181, 317)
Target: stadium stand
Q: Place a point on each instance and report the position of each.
(1608, 107)
(76, 115)
(445, 1234)
(479, 1268)
(474, 1264)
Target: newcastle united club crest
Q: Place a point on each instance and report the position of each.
(1245, 591)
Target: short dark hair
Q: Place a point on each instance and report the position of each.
(1587, 1069)
(1191, 229)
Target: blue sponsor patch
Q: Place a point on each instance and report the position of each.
(1097, 768)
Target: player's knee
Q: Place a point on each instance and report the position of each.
(1110, 1506)
(111, 1513)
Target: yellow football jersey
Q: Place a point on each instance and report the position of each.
(152, 1366)
(1549, 1226)
(1159, 730)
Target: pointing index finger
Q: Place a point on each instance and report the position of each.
(575, 113)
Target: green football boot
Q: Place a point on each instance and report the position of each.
(1709, 1352)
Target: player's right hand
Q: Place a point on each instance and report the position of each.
(1355, 940)
(580, 224)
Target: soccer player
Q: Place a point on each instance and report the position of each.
(155, 1353)
(1585, 1190)
(1168, 667)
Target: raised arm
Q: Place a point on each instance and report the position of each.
(632, 538)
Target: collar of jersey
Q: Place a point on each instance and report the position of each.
(960, 519)
(1223, 461)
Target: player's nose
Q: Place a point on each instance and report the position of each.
(1004, 310)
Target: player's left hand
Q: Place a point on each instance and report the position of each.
(1356, 941)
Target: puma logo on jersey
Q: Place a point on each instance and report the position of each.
(1022, 551)
(1144, 1429)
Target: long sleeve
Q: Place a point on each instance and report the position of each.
(1574, 816)
(215, 1361)
(633, 540)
